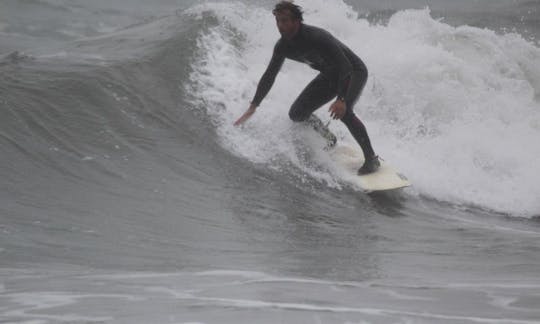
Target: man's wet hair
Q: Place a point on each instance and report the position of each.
(294, 10)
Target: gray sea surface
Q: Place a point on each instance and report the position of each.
(120, 202)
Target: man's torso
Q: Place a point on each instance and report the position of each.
(307, 47)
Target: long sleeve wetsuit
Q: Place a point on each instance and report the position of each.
(320, 50)
(342, 74)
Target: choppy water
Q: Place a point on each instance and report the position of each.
(128, 197)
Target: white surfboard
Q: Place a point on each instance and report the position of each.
(385, 178)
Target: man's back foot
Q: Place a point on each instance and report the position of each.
(371, 165)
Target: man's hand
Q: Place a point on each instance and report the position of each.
(246, 115)
(337, 109)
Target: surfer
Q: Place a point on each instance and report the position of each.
(342, 76)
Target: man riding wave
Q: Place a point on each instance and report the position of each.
(342, 75)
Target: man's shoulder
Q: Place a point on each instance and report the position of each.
(315, 30)
(279, 46)
(315, 33)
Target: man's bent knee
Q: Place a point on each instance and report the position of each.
(298, 115)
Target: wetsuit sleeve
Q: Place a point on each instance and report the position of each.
(331, 48)
(269, 76)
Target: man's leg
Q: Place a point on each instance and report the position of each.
(317, 93)
(356, 127)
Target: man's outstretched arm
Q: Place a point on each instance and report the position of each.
(264, 86)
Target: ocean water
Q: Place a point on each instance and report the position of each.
(127, 196)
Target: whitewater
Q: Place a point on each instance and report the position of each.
(452, 107)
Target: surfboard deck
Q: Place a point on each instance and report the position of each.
(385, 178)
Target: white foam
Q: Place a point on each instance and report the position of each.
(32, 303)
(260, 304)
(455, 109)
(233, 273)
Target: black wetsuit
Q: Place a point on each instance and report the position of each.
(342, 74)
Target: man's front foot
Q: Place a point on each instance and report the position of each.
(371, 165)
(331, 141)
(323, 130)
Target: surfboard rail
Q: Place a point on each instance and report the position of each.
(385, 178)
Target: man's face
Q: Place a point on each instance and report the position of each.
(287, 26)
